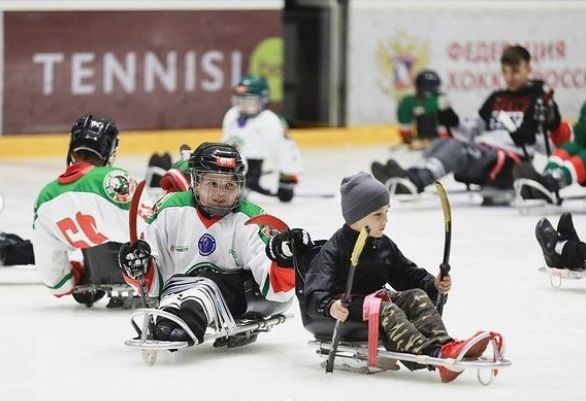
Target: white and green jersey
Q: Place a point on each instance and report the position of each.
(184, 241)
(262, 137)
(84, 207)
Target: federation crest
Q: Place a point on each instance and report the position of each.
(118, 186)
(206, 245)
(399, 59)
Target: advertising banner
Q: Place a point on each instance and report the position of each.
(144, 69)
(389, 46)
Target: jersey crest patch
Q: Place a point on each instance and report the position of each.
(206, 245)
(118, 186)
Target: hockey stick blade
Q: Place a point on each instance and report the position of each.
(269, 221)
(445, 265)
(274, 223)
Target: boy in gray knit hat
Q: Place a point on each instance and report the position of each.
(408, 315)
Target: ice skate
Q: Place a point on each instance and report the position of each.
(466, 349)
(566, 228)
(548, 237)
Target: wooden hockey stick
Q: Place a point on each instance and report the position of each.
(132, 223)
(133, 213)
(358, 246)
(445, 265)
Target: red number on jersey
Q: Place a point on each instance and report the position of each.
(87, 223)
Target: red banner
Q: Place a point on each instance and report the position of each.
(145, 70)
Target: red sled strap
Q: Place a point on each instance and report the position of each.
(370, 313)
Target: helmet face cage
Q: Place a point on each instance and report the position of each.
(217, 193)
(96, 135)
(217, 178)
(248, 105)
(427, 83)
(251, 95)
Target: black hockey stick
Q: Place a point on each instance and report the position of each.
(358, 246)
(445, 265)
(540, 117)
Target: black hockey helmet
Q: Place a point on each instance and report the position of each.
(96, 135)
(427, 82)
(222, 162)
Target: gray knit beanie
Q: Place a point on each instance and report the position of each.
(362, 194)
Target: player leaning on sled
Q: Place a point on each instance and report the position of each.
(197, 240)
(408, 316)
(485, 149)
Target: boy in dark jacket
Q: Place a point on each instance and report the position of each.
(506, 131)
(408, 318)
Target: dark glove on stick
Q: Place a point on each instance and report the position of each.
(279, 247)
(134, 259)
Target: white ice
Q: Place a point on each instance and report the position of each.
(55, 349)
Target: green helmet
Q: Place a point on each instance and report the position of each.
(251, 94)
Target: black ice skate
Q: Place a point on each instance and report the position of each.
(566, 228)
(547, 237)
(403, 182)
(379, 171)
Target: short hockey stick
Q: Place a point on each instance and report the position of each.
(132, 223)
(540, 117)
(445, 265)
(358, 246)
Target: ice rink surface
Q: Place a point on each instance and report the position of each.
(55, 349)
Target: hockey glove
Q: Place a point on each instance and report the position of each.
(280, 250)
(174, 180)
(134, 259)
(286, 187)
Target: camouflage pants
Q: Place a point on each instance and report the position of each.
(412, 324)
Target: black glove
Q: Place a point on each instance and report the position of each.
(286, 187)
(88, 297)
(134, 259)
(279, 247)
(523, 136)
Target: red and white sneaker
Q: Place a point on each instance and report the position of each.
(471, 348)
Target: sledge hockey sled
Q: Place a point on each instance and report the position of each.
(226, 331)
(556, 275)
(358, 356)
(549, 199)
(102, 273)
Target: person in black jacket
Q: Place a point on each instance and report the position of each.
(506, 132)
(409, 318)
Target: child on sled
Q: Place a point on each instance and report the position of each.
(408, 317)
